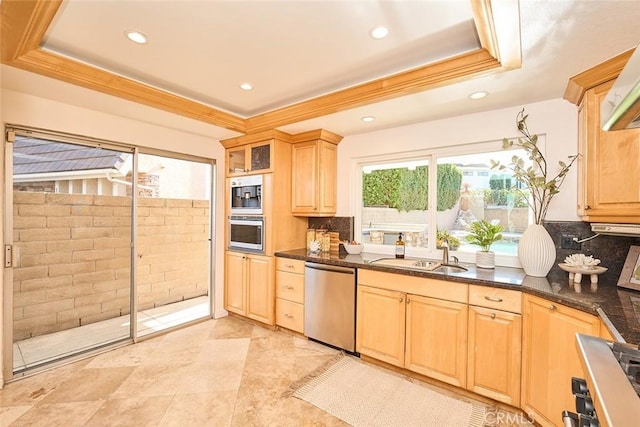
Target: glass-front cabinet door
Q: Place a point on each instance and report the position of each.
(249, 158)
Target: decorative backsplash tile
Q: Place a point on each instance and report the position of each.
(610, 250)
(341, 224)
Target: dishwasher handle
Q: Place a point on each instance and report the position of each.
(332, 268)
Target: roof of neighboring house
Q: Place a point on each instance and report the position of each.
(33, 155)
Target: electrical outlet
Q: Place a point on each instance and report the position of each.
(568, 241)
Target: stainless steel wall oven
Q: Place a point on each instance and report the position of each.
(246, 233)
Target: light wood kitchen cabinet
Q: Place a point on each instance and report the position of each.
(608, 159)
(436, 339)
(249, 286)
(414, 323)
(290, 294)
(314, 173)
(608, 173)
(380, 325)
(250, 158)
(550, 357)
(495, 343)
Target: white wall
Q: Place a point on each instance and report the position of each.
(22, 109)
(557, 119)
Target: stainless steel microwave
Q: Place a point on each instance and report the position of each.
(246, 195)
(246, 233)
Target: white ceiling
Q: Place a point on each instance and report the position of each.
(294, 50)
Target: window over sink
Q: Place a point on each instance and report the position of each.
(403, 194)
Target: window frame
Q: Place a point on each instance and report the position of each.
(431, 155)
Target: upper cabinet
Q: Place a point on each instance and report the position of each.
(257, 153)
(608, 168)
(248, 159)
(608, 173)
(314, 173)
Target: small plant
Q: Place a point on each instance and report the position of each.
(534, 177)
(484, 233)
(441, 236)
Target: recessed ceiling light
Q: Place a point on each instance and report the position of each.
(379, 32)
(136, 37)
(246, 86)
(368, 119)
(479, 95)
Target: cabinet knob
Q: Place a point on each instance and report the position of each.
(586, 208)
(493, 315)
(553, 307)
(408, 300)
(401, 299)
(494, 299)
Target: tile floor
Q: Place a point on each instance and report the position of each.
(45, 348)
(225, 372)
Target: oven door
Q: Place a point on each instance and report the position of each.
(246, 233)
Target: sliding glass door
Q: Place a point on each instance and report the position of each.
(105, 244)
(71, 247)
(173, 250)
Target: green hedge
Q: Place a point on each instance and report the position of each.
(406, 189)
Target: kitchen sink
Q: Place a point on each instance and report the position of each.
(419, 264)
(450, 269)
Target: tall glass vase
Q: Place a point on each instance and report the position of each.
(536, 251)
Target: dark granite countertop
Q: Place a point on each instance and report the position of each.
(613, 304)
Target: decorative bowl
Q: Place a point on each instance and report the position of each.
(353, 249)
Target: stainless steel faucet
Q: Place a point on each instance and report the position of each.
(445, 252)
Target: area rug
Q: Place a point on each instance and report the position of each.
(364, 395)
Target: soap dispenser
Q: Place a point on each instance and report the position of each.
(399, 247)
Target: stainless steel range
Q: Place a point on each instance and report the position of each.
(610, 393)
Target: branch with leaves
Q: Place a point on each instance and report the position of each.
(534, 177)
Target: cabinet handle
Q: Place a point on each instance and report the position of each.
(288, 287)
(553, 307)
(493, 315)
(494, 299)
(289, 316)
(289, 266)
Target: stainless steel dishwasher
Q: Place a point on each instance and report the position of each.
(330, 305)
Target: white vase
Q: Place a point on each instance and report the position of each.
(485, 259)
(536, 251)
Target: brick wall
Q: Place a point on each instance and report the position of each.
(73, 257)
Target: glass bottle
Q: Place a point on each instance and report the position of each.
(399, 247)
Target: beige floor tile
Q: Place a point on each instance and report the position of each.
(231, 327)
(68, 414)
(224, 349)
(131, 355)
(89, 384)
(201, 409)
(31, 390)
(133, 412)
(10, 414)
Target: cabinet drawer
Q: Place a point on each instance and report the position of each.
(500, 299)
(290, 315)
(290, 286)
(290, 265)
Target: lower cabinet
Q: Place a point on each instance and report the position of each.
(436, 339)
(418, 332)
(249, 286)
(550, 357)
(495, 343)
(380, 325)
(290, 294)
